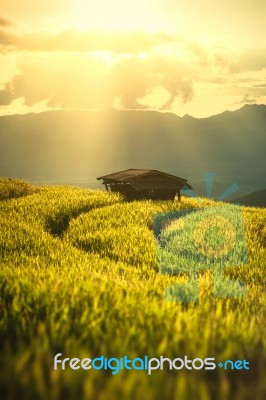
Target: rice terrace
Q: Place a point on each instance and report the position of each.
(79, 276)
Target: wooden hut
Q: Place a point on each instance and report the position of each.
(136, 184)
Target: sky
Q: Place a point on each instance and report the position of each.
(196, 57)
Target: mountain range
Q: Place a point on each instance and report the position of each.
(75, 147)
(254, 199)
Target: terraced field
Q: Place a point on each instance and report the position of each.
(79, 275)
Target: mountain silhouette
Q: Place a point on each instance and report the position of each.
(254, 199)
(74, 147)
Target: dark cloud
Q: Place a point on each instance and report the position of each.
(260, 85)
(7, 38)
(6, 96)
(5, 22)
(248, 99)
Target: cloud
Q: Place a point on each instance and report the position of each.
(178, 87)
(5, 22)
(173, 75)
(93, 70)
(6, 95)
(247, 99)
(130, 83)
(250, 60)
(260, 85)
(83, 81)
(200, 53)
(6, 38)
(74, 41)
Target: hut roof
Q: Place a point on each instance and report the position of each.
(136, 174)
(155, 185)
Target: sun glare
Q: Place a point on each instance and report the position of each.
(114, 15)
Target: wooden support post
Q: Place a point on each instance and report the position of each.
(179, 195)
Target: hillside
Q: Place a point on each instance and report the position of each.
(75, 147)
(255, 199)
(79, 276)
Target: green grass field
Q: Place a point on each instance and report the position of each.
(78, 275)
